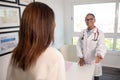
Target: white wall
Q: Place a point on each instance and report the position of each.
(57, 6)
(110, 60)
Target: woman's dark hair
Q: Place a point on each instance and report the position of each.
(35, 35)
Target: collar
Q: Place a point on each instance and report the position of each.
(94, 30)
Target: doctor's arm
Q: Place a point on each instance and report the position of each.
(79, 52)
(101, 48)
(79, 48)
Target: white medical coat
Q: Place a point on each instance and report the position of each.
(88, 48)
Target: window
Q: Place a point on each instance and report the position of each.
(109, 43)
(104, 13)
(119, 20)
(118, 45)
(75, 40)
(105, 21)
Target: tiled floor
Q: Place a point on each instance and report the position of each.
(110, 74)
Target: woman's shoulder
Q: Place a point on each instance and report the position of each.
(53, 52)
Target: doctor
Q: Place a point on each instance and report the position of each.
(91, 46)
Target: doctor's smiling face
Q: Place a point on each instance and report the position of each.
(90, 20)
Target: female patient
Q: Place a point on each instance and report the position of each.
(33, 58)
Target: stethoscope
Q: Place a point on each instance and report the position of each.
(95, 36)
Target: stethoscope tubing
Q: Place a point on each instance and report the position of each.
(95, 38)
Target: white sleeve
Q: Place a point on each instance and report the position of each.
(101, 48)
(79, 47)
(58, 71)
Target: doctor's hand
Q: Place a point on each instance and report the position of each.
(82, 62)
(98, 59)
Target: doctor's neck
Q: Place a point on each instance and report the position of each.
(90, 27)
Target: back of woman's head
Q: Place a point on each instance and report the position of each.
(35, 35)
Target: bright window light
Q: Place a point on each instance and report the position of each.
(104, 13)
(119, 20)
(109, 43)
(118, 45)
(75, 40)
